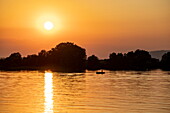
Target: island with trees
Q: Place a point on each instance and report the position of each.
(69, 57)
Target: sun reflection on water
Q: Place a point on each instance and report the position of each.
(48, 92)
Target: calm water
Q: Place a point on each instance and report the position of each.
(113, 92)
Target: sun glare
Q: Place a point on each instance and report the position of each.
(48, 92)
(48, 25)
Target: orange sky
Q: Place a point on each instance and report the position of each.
(100, 26)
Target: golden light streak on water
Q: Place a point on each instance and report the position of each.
(48, 92)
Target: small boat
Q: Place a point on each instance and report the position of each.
(101, 72)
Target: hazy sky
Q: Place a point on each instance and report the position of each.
(100, 26)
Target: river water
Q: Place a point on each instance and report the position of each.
(112, 92)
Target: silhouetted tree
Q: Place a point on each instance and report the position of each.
(64, 57)
(31, 61)
(93, 63)
(104, 64)
(68, 57)
(142, 58)
(42, 58)
(165, 61)
(2, 63)
(116, 61)
(14, 60)
(154, 63)
(42, 53)
(138, 60)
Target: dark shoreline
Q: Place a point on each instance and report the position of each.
(68, 57)
(64, 71)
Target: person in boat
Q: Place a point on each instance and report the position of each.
(101, 72)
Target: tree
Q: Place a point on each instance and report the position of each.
(116, 61)
(14, 60)
(138, 60)
(93, 63)
(142, 58)
(68, 57)
(42, 53)
(165, 61)
(31, 61)
(42, 58)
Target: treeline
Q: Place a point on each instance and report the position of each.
(68, 57)
(139, 60)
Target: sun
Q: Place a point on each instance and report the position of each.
(48, 25)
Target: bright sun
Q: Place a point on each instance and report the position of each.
(48, 25)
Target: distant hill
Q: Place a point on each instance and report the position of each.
(158, 54)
